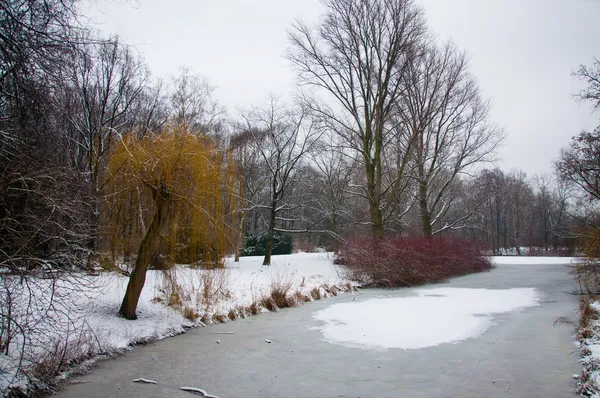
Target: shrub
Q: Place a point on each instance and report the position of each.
(586, 271)
(257, 245)
(409, 261)
(160, 262)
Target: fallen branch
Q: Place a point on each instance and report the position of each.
(142, 380)
(198, 391)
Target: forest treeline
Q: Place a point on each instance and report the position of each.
(390, 135)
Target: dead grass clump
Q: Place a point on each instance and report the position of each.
(219, 318)
(206, 319)
(279, 297)
(291, 301)
(331, 290)
(316, 293)
(254, 308)
(587, 314)
(241, 311)
(281, 284)
(232, 315)
(268, 303)
(174, 300)
(301, 297)
(189, 313)
(214, 285)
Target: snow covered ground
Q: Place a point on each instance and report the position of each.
(589, 381)
(238, 285)
(414, 322)
(94, 304)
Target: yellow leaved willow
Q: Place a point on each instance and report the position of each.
(170, 193)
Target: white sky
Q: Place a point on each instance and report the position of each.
(522, 52)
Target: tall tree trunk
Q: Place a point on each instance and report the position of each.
(376, 219)
(424, 210)
(138, 276)
(270, 235)
(373, 188)
(240, 241)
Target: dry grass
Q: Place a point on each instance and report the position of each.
(206, 319)
(189, 313)
(57, 358)
(200, 294)
(254, 308)
(316, 293)
(268, 303)
(281, 285)
(232, 315)
(302, 298)
(219, 318)
(587, 316)
(214, 286)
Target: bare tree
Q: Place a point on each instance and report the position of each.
(282, 137)
(357, 57)
(591, 76)
(107, 81)
(43, 218)
(192, 103)
(446, 125)
(330, 187)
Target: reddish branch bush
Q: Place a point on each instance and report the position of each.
(409, 261)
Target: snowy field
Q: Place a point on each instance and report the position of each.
(464, 313)
(205, 292)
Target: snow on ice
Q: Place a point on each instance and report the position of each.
(414, 322)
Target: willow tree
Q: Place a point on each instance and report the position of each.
(169, 191)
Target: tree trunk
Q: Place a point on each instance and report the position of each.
(240, 241)
(138, 276)
(376, 220)
(270, 235)
(424, 209)
(373, 191)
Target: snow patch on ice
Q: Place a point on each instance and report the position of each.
(530, 260)
(433, 317)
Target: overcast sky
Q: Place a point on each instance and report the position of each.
(522, 52)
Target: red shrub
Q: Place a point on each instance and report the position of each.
(409, 261)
